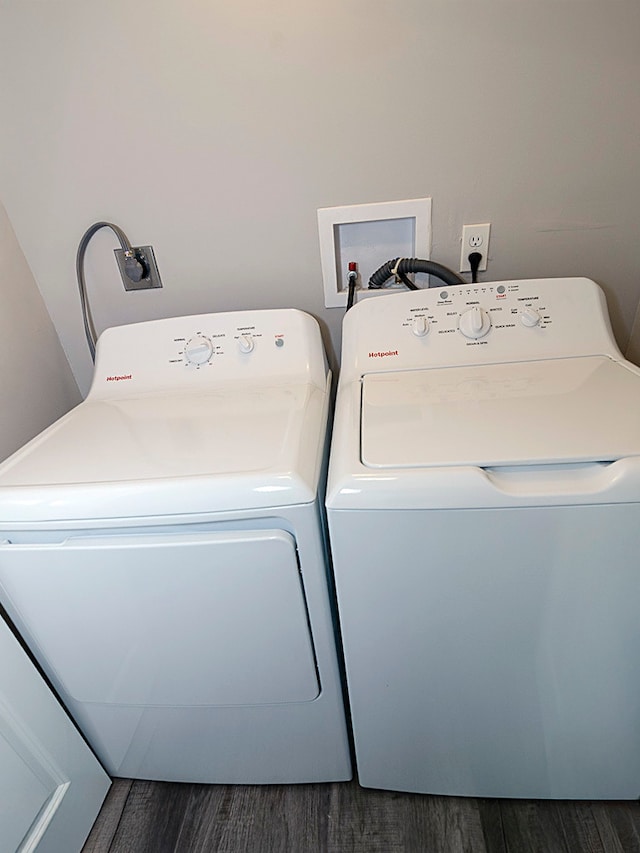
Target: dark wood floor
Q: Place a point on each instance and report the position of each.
(162, 817)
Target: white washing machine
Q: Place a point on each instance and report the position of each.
(484, 516)
(164, 556)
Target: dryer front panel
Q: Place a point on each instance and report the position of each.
(200, 619)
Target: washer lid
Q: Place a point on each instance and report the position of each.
(236, 448)
(523, 413)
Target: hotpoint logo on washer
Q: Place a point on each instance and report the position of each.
(383, 354)
(118, 378)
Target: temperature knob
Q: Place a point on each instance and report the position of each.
(420, 326)
(529, 317)
(198, 350)
(245, 342)
(475, 323)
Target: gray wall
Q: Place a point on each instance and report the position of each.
(214, 131)
(35, 380)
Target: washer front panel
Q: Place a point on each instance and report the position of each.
(493, 653)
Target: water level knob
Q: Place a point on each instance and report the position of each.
(475, 323)
(198, 350)
(420, 326)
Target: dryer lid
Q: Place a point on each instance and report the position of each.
(523, 413)
(235, 448)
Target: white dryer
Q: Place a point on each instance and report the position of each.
(484, 516)
(164, 556)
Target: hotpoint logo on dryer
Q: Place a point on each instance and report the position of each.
(118, 378)
(383, 354)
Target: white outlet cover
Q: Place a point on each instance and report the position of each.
(370, 235)
(475, 238)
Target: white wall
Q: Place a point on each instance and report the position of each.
(36, 383)
(214, 130)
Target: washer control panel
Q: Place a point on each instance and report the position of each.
(476, 311)
(477, 323)
(195, 351)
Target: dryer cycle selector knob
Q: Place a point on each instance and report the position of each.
(474, 323)
(245, 342)
(420, 326)
(198, 350)
(529, 317)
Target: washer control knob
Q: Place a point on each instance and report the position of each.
(420, 326)
(474, 323)
(245, 342)
(198, 350)
(529, 317)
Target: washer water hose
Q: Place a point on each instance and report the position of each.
(353, 283)
(133, 268)
(399, 267)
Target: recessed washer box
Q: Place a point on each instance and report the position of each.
(369, 235)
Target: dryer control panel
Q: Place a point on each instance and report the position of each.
(476, 324)
(200, 350)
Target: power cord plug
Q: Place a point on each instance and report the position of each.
(474, 263)
(134, 267)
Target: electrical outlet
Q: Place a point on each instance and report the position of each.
(475, 238)
(151, 277)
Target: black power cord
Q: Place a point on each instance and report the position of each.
(474, 263)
